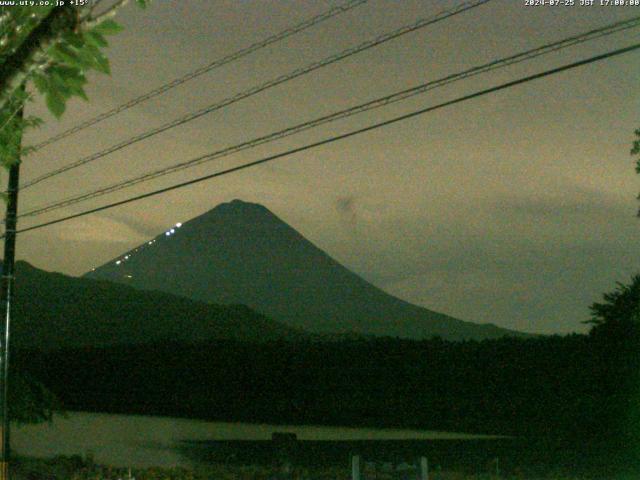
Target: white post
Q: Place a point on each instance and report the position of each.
(355, 467)
(424, 468)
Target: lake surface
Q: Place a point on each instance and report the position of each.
(142, 441)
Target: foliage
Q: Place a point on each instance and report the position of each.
(78, 52)
(53, 47)
(30, 401)
(616, 336)
(620, 311)
(78, 468)
(50, 47)
(635, 150)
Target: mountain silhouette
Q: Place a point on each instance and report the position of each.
(242, 253)
(53, 310)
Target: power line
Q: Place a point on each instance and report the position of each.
(265, 86)
(205, 69)
(370, 105)
(341, 136)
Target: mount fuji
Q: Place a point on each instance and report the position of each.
(242, 253)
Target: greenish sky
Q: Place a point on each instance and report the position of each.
(516, 208)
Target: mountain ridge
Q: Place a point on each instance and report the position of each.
(53, 310)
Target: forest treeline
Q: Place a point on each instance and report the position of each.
(576, 388)
(578, 393)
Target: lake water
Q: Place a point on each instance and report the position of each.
(141, 441)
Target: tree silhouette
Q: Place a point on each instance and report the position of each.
(619, 314)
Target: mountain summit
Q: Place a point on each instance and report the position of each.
(241, 252)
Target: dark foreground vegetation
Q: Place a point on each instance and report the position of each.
(573, 398)
(573, 402)
(77, 468)
(514, 387)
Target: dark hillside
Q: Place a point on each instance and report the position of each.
(54, 311)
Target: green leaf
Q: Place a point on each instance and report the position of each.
(33, 122)
(26, 151)
(102, 64)
(64, 81)
(41, 82)
(73, 39)
(141, 3)
(68, 74)
(65, 54)
(92, 57)
(96, 39)
(81, 93)
(59, 86)
(108, 27)
(77, 89)
(55, 103)
(87, 55)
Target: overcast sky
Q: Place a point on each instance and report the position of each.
(517, 208)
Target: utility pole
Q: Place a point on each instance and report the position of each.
(6, 296)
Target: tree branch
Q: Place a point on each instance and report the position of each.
(108, 13)
(14, 113)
